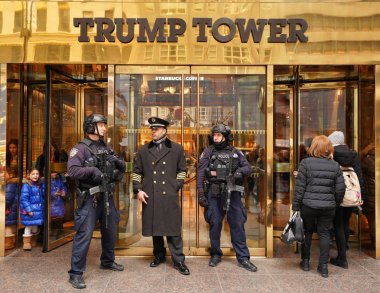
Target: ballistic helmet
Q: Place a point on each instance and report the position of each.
(89, 124)
(224, 130)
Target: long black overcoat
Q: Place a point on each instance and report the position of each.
(160, 174)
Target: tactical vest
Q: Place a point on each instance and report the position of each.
(99, 160)
(222, 163)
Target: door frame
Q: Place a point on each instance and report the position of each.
(214, 70)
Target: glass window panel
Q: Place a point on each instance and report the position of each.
(11, 157)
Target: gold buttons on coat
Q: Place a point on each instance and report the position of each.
(154, 172)
(164, 192)
(163, 182)
(164, 163)
(163, 172)
(154, 182)
(152, 163)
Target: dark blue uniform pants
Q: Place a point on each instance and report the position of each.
(85, 221)
(236, 218)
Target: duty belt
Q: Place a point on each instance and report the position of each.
(99, 189)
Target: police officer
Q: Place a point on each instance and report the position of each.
(95, 168)
(158, 174)
(221, 169)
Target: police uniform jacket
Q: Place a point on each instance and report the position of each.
(79, 154)
(204, 162)
(160, 175)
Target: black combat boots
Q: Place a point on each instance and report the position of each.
(305, 264)
(323, 270)
(77, 281)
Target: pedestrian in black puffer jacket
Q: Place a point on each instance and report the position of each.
(346, 158)
(319, 189)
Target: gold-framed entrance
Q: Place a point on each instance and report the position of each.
(193, 98)
(314, 100)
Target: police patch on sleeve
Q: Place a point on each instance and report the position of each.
(73, 152)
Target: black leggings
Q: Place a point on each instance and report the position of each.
(342, 230)
(324, 220)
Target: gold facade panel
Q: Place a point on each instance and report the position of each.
(377, 159)
(338, 33)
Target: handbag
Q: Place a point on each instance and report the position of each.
(287, 235)
(297, 228)
(293, 230)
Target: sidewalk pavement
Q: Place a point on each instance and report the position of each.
(35, 271)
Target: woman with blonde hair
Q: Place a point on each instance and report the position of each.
(319, 189)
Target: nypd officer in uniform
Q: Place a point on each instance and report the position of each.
(96, 168)
(217, 162)
(158, 174)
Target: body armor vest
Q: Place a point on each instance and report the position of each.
(222, 163)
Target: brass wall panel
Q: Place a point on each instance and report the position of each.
(43, 32)
(269, 161)
(3, 139)
(377, 159)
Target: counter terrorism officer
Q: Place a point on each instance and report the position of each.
(96, 168)
(158, 174)
(222, 167)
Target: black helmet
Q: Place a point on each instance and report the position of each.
(89, 123)
(223, 129)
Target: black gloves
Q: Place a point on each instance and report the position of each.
(238, 178)
(202, 200)
(97, 175)
(118, 163)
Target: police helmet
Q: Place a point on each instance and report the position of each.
(224, 130)
(89, 123)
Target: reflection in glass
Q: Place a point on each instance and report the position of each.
(12, 171)
(237, 100)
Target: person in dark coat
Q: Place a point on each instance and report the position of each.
(56, 156)
(158, 174)
(319, 189)
(96, 169)
(346, 158)
(368, 167)
(218, 162)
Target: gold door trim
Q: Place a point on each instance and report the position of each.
(269, 162)
(377, 158)
(3, 139)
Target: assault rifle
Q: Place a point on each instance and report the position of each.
(104, 168)
(230, 187)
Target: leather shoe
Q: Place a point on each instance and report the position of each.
(339, 263)
(305, 265)
(113, 267)
(214, 260)
(182, 268)
(246, 264)
(77, 281)
(323, 270)
(157, 261)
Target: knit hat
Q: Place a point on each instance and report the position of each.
(336, 138)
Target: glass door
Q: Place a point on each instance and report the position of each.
(193, 99)
(309, 101)
(54, 132)
(56, 128)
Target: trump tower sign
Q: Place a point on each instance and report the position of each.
(281, 30)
